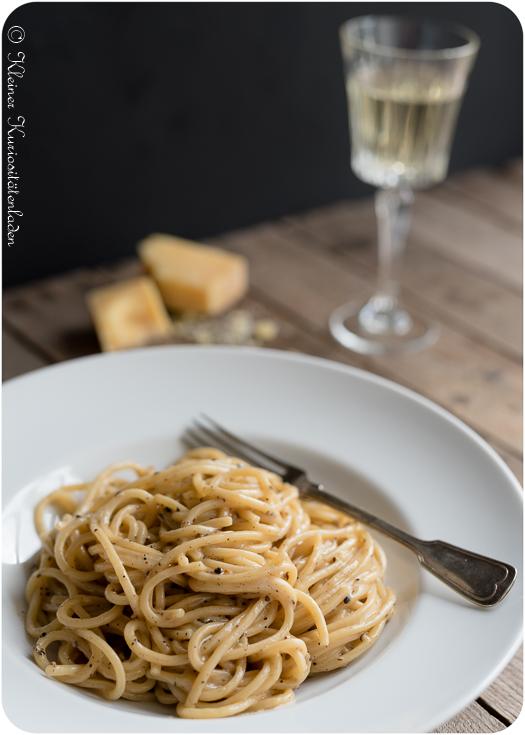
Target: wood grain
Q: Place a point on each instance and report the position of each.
(500, 194)
(513, 172)
(52, 313)
(450, 225)
(473, 718)
(54, 318)
(17, 359)
(505, 694)
(473, 381)
(465, 301)
(471, 302)
(467, 238)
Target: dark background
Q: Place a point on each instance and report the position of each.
(199, 118)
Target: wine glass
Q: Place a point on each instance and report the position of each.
(405, 80)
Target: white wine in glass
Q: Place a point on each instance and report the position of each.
(402, 128)
(404, 81)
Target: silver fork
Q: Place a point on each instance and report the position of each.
(482, 580)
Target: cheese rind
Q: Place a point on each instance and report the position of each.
(128, 314)
(193, 277)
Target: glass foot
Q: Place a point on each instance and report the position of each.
(380, 328)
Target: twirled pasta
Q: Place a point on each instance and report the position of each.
(209, 585)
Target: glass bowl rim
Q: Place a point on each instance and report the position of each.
(468, 48)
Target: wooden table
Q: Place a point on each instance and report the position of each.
(463, 269)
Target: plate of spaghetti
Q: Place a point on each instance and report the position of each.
(146, 581)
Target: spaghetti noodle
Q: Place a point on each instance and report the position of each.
(209, 585)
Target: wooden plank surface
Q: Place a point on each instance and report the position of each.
(513, 171)
(461, 230)
(464, 236)
(470, 302)
(505, 695)
(17, 359)
(473, 381)
(55, 321)
(463, 270)
(473, 719)
(497, 192)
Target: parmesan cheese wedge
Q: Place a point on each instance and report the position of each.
(128, 314)
(193, 277)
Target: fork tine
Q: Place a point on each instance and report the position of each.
(202, 439)
(231, 448)
(196, 440)
(284, 466)
(192, 439)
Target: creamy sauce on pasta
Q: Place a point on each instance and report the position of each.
(211, 586)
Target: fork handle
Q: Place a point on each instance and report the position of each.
(481, 579)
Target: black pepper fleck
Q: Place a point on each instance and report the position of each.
(346, 600)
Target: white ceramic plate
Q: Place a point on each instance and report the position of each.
(384, 447)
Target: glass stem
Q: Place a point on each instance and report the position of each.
(393, 209)
(382, 314)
